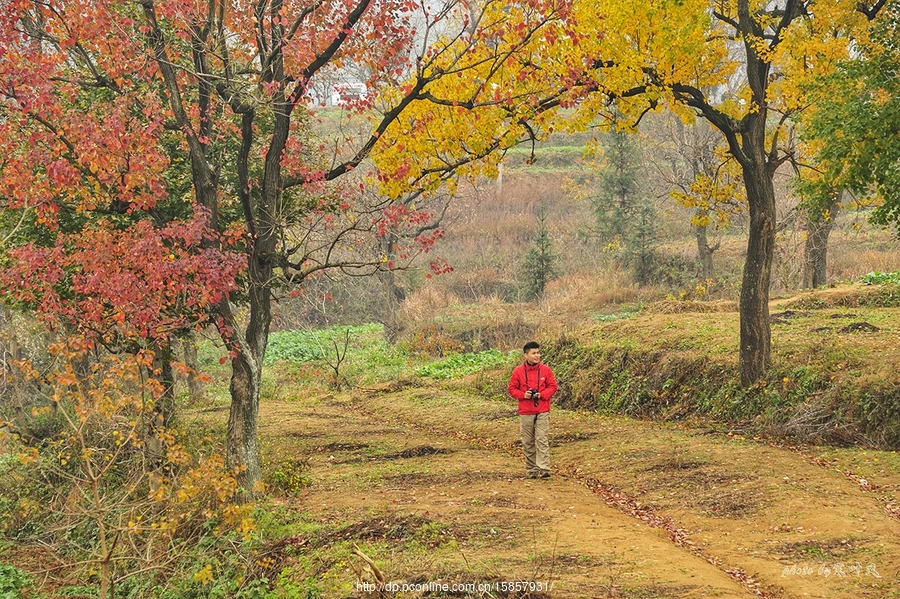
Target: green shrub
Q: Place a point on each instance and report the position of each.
(13, 581)
(626, 312)
(305, 346)
(289, 476)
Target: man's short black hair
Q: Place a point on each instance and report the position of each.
(530, 345)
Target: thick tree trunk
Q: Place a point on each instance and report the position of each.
(704, 253)
(262, 213)
(758, 165)
(242, 444)
(756, 337)
(242, 450)
(164, 408)
(242, 447)
(815, 258)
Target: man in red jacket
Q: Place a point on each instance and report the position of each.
(533, 384)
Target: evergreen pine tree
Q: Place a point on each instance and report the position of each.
(625, 220)
(538, 268)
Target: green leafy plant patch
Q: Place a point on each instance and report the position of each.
(306, 346)
(463, 364)
(880, 278)
(12, 581)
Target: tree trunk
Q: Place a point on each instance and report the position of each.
(242, 450)
(815, 258)
(263, 223)
(394, 297)
(195, 387)
(704, 253)
(164, 407)
(393, 293)
(242, 447)
(758, 165)
(756, 335)
(15, 379)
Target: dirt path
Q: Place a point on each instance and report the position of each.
(633, 509)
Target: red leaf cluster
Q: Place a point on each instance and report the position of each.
(117, 284)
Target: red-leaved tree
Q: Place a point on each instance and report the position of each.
(161, 159)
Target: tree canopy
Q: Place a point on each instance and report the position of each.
(740, 65)
(853, 130)
(160, 165)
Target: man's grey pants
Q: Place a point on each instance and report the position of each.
(535, 429)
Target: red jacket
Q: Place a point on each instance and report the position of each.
(526, 377)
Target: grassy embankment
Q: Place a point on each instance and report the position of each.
(833, 379)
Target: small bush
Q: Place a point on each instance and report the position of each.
(289, 476)
(13, 581)
(434, 342)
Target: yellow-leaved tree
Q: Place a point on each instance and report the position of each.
(704, 178)
(113, 492)
(742, 65)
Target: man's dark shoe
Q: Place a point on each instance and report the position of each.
(545, 474)
(533, 475)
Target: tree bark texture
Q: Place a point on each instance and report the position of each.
(756, 335)
(815, 257)
(242, 447)
(164, 408)
(242, 443)
(705, 253)
(758, 164)
(758, 172)
(189, 346)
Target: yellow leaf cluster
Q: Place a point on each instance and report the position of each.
(714, 197)
(108, 422)
(204, 575)
(477, 91)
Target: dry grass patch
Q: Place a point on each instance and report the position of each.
(559, 438)
(408, 480)
(717, 493)
(818, 549)
(497, 414)
(843, 296)
(683, 306)
(391, 527)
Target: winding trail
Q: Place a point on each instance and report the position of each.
(634, 509)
